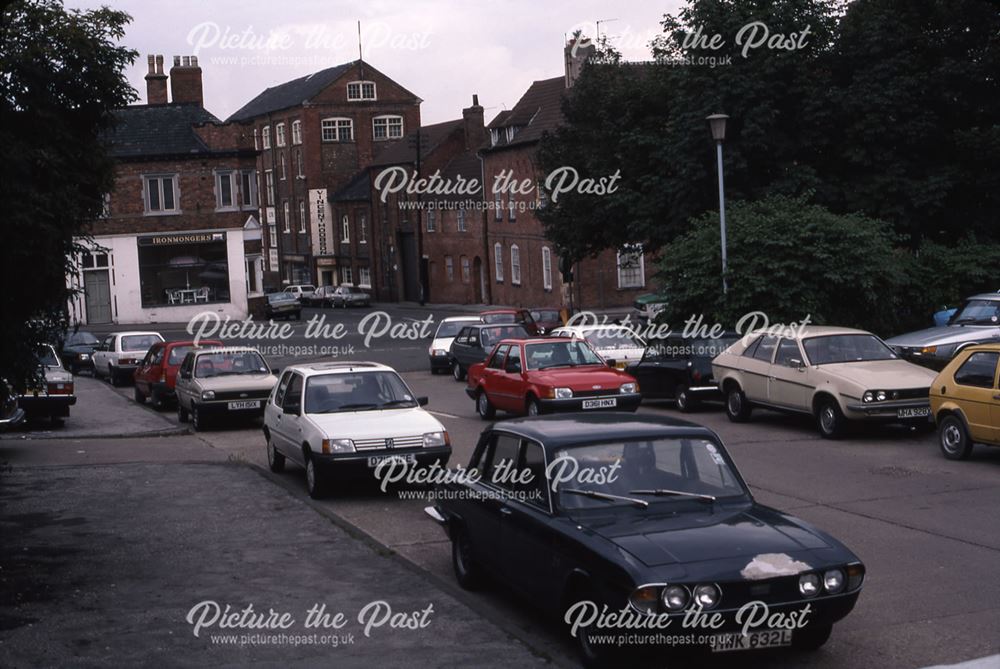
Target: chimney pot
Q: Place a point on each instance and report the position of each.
(177, 61)
(151, 62)
(159, 65)
(185, 81)
(156, 81)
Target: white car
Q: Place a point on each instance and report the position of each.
(303, 292)
(54, 396)
(120, 353)
(346, 418)
(612, 342)
(438, 351)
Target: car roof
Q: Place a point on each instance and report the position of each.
(483, 326)
(224, 349)
(533, 340)
(499, 311)
(214, 343)
(561, 430)
(597, 326)
(453, 319)
(985, 296)
(343, 366)
(134, 332)
(813, 331)
(982, 347)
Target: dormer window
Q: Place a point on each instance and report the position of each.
(510, 133)
(361, 90)
(494, 136)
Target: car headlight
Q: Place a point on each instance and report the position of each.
(644, 599)
(432, 439)
(208, 395)
(855, 576)
(84, 356)
(629, 388)
(833, 581)
(869, 396)
(674, 597)
(439, 352)
(880, 396)
(706, 596)
(563, 393)
(809, 585)
(337, 446)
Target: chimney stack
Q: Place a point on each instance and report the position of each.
(578, 49)
(156, 81)
(185, 81)
(475, 131)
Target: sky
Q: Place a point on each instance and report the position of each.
(443, 51)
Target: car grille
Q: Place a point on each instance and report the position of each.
(909, 394)
(392, 442)
(595, 393)
(242, 395)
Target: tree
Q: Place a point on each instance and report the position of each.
(61, 76)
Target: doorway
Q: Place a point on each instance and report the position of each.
(97, 294)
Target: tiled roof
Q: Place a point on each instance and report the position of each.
(405, 150)
(538, 111)
(158, 130)
(290, 94)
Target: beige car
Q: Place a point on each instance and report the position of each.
(230, 382)
(834, 374)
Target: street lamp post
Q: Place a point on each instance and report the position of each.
(717, 123)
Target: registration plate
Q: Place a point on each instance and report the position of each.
(600, 404)
(919, 412)
(722, 643)
(249, 404)
(374, 460)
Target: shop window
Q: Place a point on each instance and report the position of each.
(181, 269)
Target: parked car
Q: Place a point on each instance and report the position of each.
(350, 296)
(439, 352)
(53, 397)
(344, 418)
(282, 305)
(977, 321)
(474, 342)
(647, 307)
(300, 291)
(321, 297)
(11, 414)
(834, 374)
(220, 382)
(965, 401)
(156, 376)
(536, 376)
(680, 369)
(509, 316)
(118, 356)
(675, 529)
(547, 319)
(78, 351)
(615, 343)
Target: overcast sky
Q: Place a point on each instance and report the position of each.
(441, 50)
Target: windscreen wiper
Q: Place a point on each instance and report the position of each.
(608, 497)
(664, 492)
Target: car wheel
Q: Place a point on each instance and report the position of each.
(830, 419)
(275, 460)
(484, 407)
(197, 418)
(594, 654)
(138, 396)
(182, 413)
(315, 483)
(467, 572)
(953, 438)
(457, 372)
(737, 406)
(534, 408)
(111, 375)
(157, 400)
(685, 403)
(811, 637)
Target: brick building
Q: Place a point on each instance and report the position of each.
(180, 233)
(523, 265)
(315, 134)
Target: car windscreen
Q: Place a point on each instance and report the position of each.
(616, 338)
(499, 318)
(229, 363)
(139, 342)
(280, 297)
(567, 353)
(82, 339)
(831, 349)
(47, 357)
(665, 469)
(490, 336)
(977, 312)
(357, 391)
(449, 328)
(177, 354)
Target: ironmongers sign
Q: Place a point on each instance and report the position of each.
(183, 238)
(320, 219)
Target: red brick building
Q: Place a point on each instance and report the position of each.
(179, 235)
(315, 134)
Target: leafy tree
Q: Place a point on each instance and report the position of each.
(61, 75)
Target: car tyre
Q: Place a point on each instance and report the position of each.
(685, 403)
(315, 481)
(111, 375)
(156, 399)
(811, 637)
(198, 421)
(594, 655)
(182, 414)
(457, 372)
(275, 460)
(138, 396)
(484, 407)
(534, 407)
(737, 406)
(468, 574)
(954, 438)
(830, 419)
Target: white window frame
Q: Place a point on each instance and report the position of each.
(175, 191)
(515, 265)
(466, 268)
(272, 231)
(282, 167)
(346, 276)
(384, 120)
(631, 250)
(431, 219)
(546, 268)
(361, 97)
(286, 211)
(449, 268)
(511, 207)
(265, 137)
(302, 216)
(498, 262)
(335, 124)
(362, 228)
(498, 205)
(460, 221)
(364, 277)
(256, 139)
(219, 204)
(279, 134)
(345, 229)
(269, 186)
(296, 132)
(248, 189)
(299, 173)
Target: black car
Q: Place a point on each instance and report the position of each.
(283, 305)
(649, 517)
(474, 342)
(680, 369)
(77, 351)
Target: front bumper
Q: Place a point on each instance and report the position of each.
(705, 392)
(46, 405)
(623, 402)
(440, 361)
(888, 411)
(219, 408)
(356, 464)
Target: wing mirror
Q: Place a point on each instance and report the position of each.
(422, 401)
(796, 364)
(612, 363)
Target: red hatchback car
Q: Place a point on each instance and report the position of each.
(157, 373)
(535, 376)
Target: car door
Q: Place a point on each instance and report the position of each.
(756, 366)
(492, 373)
(145, 372)
(182, 388)
(788, 383)
(976, 388)
(288, 427)
(101, 355)
(469, 353)
(482, 520)
(508, 382)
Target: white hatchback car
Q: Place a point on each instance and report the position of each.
(612, 341)
(120, 353)
(346, 418)
(438, 351)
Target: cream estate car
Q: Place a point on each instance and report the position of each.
(346, 418)
(834, 374)
(611, 341)
(218, 382)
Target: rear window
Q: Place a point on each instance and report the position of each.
(491, 336)
(177, 354)
(139, 342)
(490, 319)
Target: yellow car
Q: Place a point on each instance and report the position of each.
(965, 401)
